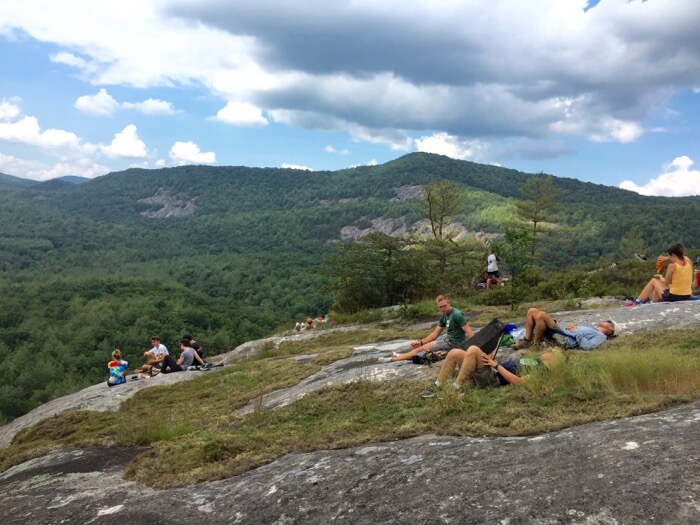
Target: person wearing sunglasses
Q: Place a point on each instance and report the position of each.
(539, 324)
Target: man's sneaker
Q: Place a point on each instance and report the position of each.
(207, 365)
(385, 360)
(431, 392)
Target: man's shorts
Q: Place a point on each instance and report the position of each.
(495, 274)
(442, 343)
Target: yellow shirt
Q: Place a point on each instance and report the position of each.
(682, 279)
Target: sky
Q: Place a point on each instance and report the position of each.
(603, 91)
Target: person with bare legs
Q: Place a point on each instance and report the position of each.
(539, 324)
(676, 285)
(452, 320)
(508, 372)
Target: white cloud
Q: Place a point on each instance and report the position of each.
(451, 146)
(101, 104)
(189, 153)
(8, 111)
(126, 143)
(518, 70)
(331, 149)
(35, 170)
(27, 131)
(296, 167)
(678, 180)
(151, 106)
(241, 114)
(68, 59)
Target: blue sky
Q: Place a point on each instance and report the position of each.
(605, 91)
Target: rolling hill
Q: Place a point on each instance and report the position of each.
(231, 253)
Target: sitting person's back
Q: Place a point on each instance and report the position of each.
(117, 369)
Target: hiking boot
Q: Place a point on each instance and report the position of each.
(430, 392)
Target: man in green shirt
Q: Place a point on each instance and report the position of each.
(458, 332)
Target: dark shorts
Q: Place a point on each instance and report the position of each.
(493, 274)
(669, 297)
(517, 366)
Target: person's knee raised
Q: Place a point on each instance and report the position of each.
(474, 350)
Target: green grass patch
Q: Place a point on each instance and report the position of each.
(194, 421)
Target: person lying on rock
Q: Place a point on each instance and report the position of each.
(458, 331)
(509, 372)
(186, 359)
(539, 324)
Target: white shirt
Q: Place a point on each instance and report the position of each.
(159, 350)
(492, 263)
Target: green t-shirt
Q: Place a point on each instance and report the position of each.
(454, 321)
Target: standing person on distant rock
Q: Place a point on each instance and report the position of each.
(676, 285)
(492, 274)
(154, 356)
(453, 320)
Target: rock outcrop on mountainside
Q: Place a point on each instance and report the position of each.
(635, 470)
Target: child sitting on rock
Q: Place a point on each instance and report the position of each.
(117, 369)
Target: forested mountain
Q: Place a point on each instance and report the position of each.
(10, 181)
(230, 253)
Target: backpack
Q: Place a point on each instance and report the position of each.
(428, 357)
(485, 377)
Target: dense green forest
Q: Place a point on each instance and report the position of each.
(84, 269)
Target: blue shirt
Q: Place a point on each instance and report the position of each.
(585, 338)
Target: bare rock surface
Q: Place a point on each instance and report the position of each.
(638, 470)
(168, 206)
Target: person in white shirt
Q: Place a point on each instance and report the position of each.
(154, 356)
(492, 275)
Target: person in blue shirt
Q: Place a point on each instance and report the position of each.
(539, 324)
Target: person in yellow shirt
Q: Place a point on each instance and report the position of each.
(676, 285)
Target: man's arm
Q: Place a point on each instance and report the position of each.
(508, 376)
(428, 338)
(468, 330)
